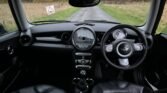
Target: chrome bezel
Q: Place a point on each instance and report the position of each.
(89, 29)
(122, 55)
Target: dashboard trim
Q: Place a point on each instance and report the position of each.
(55, 46)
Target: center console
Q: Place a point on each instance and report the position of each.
(83, 40)
(83, 74)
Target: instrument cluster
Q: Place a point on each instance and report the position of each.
(83, 38)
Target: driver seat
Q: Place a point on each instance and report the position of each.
(120, 87)
(40, 89)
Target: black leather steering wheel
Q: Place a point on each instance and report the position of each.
(124, 47)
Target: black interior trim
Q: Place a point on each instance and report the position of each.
(8, 36)
(55, 46)
(158, 19)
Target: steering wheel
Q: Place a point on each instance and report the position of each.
(124, 47)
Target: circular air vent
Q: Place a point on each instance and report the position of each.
(65, 37)
(25, 38)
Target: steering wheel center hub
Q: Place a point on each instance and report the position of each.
(124, 49)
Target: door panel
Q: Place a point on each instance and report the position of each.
(8, 59)
(156, 74)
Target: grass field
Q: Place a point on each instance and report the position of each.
(6, 18)
(60, 15)
(36, 12)
(163, 23)
(133, 13)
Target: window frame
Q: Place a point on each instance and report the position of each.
(17, 28)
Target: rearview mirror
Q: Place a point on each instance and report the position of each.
(84, 3)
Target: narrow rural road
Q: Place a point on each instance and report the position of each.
(91, 13)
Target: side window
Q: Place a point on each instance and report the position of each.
(162, 28)
(7, 22)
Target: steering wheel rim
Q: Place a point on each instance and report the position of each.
(139, 34)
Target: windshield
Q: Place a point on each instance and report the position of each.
(133, 12)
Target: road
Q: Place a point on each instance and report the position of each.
(91, 13)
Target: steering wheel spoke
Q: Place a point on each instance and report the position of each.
(109, 48)
(119, 34)
(124, 62)
(138, 47)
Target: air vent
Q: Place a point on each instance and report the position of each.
(25, 38)
(65, 37)
(99, 37)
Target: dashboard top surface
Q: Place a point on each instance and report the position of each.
(59, 27)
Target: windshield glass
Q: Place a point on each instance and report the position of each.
(133, 12)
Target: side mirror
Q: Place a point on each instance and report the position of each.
(83, 3)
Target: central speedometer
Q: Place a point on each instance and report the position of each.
(83, 38)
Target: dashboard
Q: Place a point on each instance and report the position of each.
(79, 36)
(70, 36)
